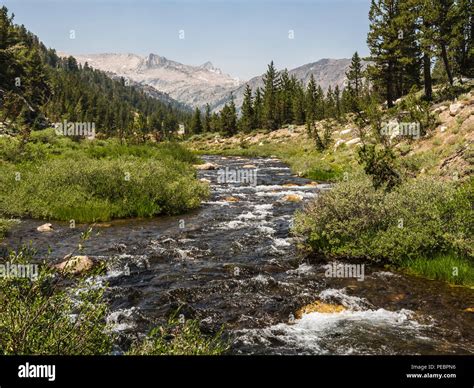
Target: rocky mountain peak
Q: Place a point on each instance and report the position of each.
(209, 66)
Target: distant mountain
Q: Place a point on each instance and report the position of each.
(326, 72)
(195, 86)
(191, 85)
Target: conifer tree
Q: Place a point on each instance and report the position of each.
(196, 124)
(383, 40)
(258, 109)
(285, 98)
(270, 96)
(228, 118)
(354, 75)
(207, 119)
(246, 122)
(298, 104)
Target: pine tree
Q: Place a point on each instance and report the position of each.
(408, 47)
(462, 38)
(216, 122)
(196, 125)
(426, 41)
(298, 104)
(383, 40)
(330, 103)
(311, 99)
(258, 109)
(311, 104)
(285, 98)
(228, 118)
(207, 119)
(247, 120)
(321, 111)
(270, 96)
(337, 100)
(354, 75)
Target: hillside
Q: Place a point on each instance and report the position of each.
(38, 88)
(445, 151)
(327, 72)
(191, 85)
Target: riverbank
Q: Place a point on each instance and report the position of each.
(59, 178)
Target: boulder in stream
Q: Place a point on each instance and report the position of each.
(75, 265)
(205, 166)
(45, 228)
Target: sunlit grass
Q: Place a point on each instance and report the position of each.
(53, 177)
(448, 267)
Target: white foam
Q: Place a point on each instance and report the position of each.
(303, 268)
(302, 194)
(282, 242)
(310, 332)
(266, 229)
(121, 319)
(351, 302)
(220, 203)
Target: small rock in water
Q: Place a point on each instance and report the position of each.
(205, 166)
(45, 228)
(319, 307)
(249, 166)
(231, 199)
(292, 198)
(75, 265)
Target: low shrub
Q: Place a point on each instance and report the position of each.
(177, 338)
(420, 218)
(38, 317)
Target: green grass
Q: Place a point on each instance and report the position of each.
(5, 225)
(447, 267)
(87, 181)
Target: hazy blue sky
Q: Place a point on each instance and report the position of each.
(239, 36)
